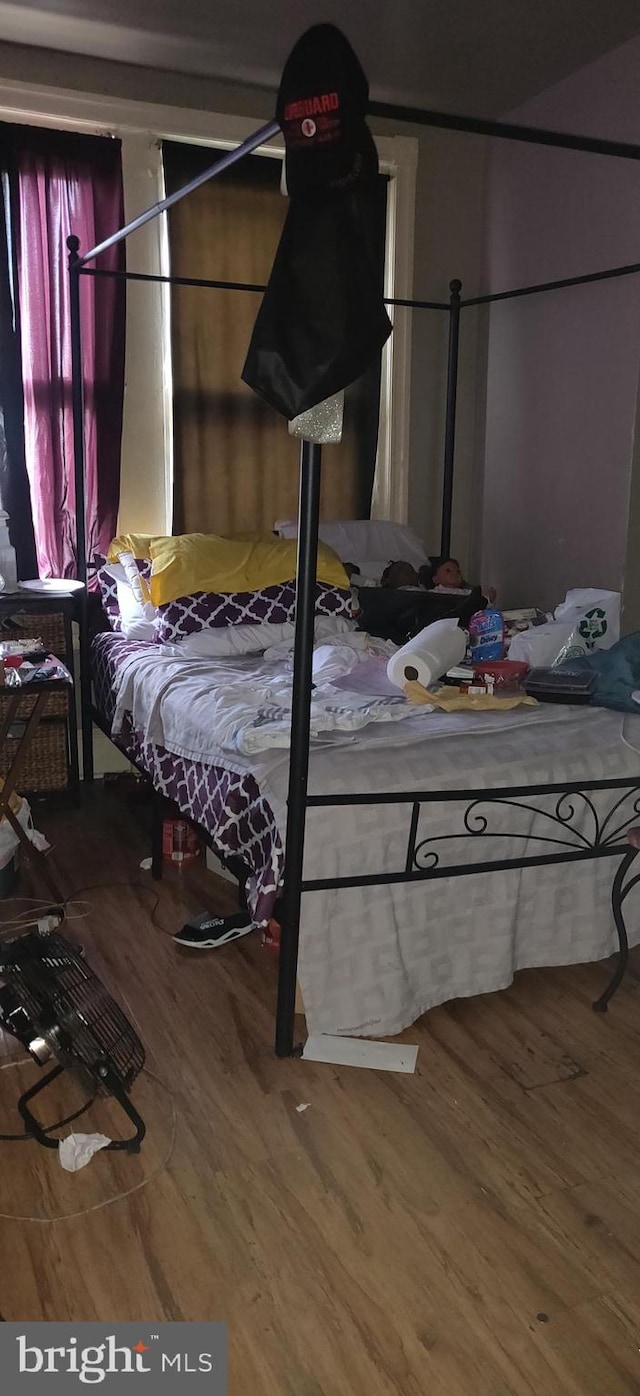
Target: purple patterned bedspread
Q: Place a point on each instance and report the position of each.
(230, 807)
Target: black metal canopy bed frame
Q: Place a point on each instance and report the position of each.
(561, 804)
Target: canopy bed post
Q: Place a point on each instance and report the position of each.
(450, 421)
(308, 520)
(77, 402)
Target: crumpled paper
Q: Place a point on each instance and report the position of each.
(77, 1150)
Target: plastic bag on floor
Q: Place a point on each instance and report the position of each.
(9, 841)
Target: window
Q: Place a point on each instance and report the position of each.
(235, 466)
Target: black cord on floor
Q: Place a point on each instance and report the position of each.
(61, 911)
(75, 896)
(131, 886)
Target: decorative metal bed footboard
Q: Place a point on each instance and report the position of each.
(570, 828)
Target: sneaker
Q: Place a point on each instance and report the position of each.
(207, 932)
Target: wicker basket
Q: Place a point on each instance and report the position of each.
(48, 627)
(55, 705)
(46, 765)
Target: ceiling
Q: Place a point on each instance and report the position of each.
(478, 57)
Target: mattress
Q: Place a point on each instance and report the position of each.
(373, 959)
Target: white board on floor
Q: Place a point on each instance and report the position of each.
(358, 1051)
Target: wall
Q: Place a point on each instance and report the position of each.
(106, 79)
(448, 245)
(563, 366)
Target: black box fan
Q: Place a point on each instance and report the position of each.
(57, 1008)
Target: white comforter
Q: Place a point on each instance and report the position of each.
(245, 703)
(210, 710)
(373, 959)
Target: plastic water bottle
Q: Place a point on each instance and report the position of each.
(8, 567)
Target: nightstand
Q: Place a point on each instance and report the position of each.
(46, 610)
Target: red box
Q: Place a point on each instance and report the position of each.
(271, 936)
(180, 843)
(506, 673)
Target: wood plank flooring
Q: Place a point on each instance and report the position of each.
(473, 1230)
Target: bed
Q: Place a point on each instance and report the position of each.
(374, 957)
(430, 867)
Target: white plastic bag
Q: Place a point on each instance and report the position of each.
(540, 646)
(585, 621)
(35, 837)
(9, 841)
(595, 617)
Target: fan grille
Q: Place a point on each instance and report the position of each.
(69, 1006)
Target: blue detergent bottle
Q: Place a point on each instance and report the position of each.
(486, 636)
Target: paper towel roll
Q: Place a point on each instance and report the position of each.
(428, 656)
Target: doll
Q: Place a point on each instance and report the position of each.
(438, 574)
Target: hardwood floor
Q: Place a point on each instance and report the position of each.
(473, 1230)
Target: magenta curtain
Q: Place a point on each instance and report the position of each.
(69, 184)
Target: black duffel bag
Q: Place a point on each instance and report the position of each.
(400, 614)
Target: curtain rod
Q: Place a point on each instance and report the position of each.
(478, 126)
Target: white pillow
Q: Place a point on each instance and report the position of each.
(222, 642)
(116, 570)
(135, 624)
(378, 540)
(139, 589)
(137, 615)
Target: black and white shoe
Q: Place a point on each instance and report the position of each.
(207, 932)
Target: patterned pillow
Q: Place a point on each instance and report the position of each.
(274, 606)
(108, 587)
